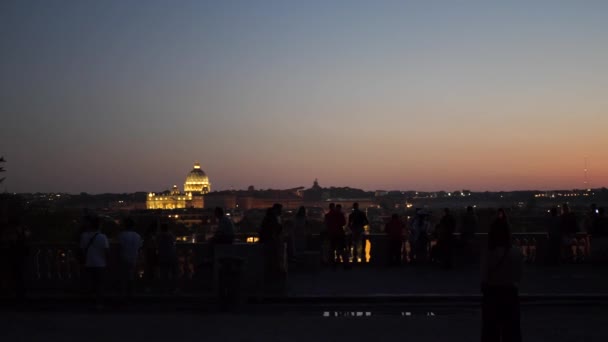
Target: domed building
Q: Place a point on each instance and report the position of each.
(196, 185)
(197, 181)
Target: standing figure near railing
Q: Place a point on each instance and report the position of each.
(394, 232)
(167, 259)
(335, 222)
(130, 243)
(326, 252)
(271, 239)
(554, 241)
(468, 229)
(591, 219)
(501, 271)
(357, 220)
(445, 234)
(224, 233)
(94, 245)
(18, 253)
(419, 239)
(568, 230)
(600, 225)
(300, 233)
(150, 247)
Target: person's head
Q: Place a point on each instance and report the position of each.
(301, 212)
(499, 236)
(565, 208)
(470, 209)
(395, 217)
(553, 211)
(356, 206)
(332, 206)
(219, 212)
(446, 211)
(128, 223)
(501, 214)
(164, 228)
(278, 209)
(92, 222)
(338, 207)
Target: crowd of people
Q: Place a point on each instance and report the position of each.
(343, 237)
(157, 248)
(422, 239)
(501, 267)
(418, 240)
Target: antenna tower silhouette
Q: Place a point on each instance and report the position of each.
(587, 186)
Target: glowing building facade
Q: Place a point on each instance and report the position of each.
(196, 185)
(197, 181)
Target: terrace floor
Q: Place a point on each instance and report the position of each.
(551, 323)
(566, 303)
(569, 279)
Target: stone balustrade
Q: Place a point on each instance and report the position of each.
(57, 266)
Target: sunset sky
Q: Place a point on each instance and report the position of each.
(122, 96)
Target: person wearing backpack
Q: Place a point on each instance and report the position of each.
(94, 245)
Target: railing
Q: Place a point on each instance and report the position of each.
(534, 247)
(57, 266)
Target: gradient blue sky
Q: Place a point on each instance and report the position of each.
(120, 96)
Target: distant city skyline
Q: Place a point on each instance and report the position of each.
(114, 96)
(179, 185)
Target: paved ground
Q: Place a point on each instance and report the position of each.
(313, 310)
(540, 323)
(565, 279)
(374, 284)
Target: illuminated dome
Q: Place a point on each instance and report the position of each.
(197, 181)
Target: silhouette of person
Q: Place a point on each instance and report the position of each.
(225, 228)
(469, 227)
(568, 230)
(94, 245)
(326, 251)
(591, 218)
(501, 271)
(419, 239)
(301, 233)
(223, 235)
(150, 247)
(335, 222)
(554, 239)
(270, 238)
(600, 228)
(447, 226)
(357, 220)
(19, 252)
(394, 232)
(167, 258)
(130, 243)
